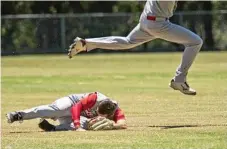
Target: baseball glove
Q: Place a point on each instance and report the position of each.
(100, 123)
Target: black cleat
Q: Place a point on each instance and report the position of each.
(13, 116)
(45, 125)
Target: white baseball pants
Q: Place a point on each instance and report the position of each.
(148, 30)
(58, 110)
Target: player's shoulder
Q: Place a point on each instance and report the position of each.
(81, 95)
(100, 96)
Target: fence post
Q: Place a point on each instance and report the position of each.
(62, 19)
(180, 19)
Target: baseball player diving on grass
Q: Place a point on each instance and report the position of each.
(80, 112)
(153, 24)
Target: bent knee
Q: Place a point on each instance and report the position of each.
(197, 41)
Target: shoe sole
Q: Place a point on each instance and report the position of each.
(76, 42)
(70, 51)
(70, 54)
(192, 93)
(9, 118)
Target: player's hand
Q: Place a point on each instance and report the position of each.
(80, 129)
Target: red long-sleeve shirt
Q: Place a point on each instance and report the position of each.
(86, 104)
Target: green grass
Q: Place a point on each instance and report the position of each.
(157, 116)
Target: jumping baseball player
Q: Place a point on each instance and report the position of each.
(80, 112)
(154, 23)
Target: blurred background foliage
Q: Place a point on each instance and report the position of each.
(37, 7)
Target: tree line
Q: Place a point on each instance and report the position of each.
(53, 7)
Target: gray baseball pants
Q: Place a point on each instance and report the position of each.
(58, 110)
(148, 30)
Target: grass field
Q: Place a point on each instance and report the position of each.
(157, 116)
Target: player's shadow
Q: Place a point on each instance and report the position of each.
(17, 132)
(184, 126)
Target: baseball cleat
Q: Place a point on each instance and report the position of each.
(13, 116)
(79, 45)
(182, 87)
(45, 125)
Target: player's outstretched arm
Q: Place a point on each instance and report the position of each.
(120, 124)
(119, 119)
(83, 104)
(102, 123)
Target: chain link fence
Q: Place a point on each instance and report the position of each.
(44, 33)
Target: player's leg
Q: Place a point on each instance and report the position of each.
(192, 42)
(65, 124)
(59, 108)
(136, 37)
(45, 125)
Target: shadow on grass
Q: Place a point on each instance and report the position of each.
(153, 126)
(186, 126)
(26, 132)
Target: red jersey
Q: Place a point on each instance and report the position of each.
(87, 107)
